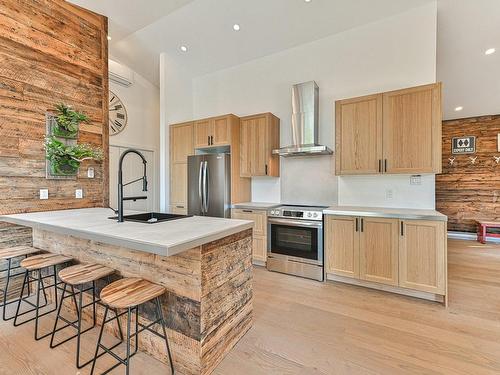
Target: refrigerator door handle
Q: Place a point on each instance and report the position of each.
(204, 200)
(200, 180)
(207, 190)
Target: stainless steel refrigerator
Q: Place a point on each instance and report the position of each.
(209, 185)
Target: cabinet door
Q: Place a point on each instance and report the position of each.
(342, 246)
(378, 250)
(422, 257)
(412, 130)
(202, 133)
(181, 142)
(221, 131)
(246, 148)
(260, 149)
(358, 135)
(259, 251)
(178, 183)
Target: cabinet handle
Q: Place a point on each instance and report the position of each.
(249, 211)
(179, 206)
(402, 229)
(209, 140)
(357, 224)
(380, 165)
(266, 169)
(385, 165)
(362, 224)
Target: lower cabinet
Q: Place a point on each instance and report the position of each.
(259, 217)
(422, 256)
(406, 254)
(180, 209)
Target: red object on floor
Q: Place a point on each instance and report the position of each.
(482, 230)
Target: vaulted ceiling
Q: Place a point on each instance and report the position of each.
(466, 28)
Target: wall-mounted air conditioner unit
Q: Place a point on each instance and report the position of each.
(120, 74)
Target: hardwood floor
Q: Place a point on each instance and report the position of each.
(310, 328)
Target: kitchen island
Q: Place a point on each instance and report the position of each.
(204, 263)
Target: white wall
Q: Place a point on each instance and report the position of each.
(142, 102)
(393, 53)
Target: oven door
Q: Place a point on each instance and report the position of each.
(297, 239)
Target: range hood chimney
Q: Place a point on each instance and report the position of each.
(305, 123)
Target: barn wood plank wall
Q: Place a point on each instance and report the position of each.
(467, 192)
(50, 52)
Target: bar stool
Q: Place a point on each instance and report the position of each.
(39, 263)
(8, 254)
(129, 294)
(77, 276)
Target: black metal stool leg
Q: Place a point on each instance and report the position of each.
(52, 346)
(163, 324)
(20, 298)
(99, 340)
(5, 291)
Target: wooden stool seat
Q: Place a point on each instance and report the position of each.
(84, 273)
(37, 262)
(129, 292)
(17, 251)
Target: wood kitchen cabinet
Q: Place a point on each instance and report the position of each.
(259, 217)
(396, 132)
(378, 250)
(215, 131)
(181, 146)
(260, 135)
(422, 256)
(358, 135)
(402, 256)
(342, 246)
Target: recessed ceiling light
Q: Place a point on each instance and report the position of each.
(459, 108)
(236, 27)
(184, 48)
(109, 38)
(489, 51)
(307, 1)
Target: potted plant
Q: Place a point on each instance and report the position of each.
(66, 159)
(67, 121)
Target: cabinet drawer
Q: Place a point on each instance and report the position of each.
(179, 209)
(259, 217)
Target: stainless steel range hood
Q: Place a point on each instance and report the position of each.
(305, 123)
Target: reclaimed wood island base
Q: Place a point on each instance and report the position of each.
(208, 304)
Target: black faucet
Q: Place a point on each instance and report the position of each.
(144, 179)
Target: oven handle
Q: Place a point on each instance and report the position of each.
(296, 223)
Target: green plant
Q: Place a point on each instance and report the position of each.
(68, 121)
(66, 159)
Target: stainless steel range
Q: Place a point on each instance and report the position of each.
(295, 241)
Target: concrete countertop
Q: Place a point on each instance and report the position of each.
(165, 238)
(397, 213)
(255, 205)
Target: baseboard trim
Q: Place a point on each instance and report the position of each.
(261, 263)
(469, 236)
(387, 288)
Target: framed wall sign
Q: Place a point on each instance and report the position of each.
(463, 145)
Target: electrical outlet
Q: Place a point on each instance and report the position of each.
(389, 194)
(44, 193)
(79, 193)
(416, 180)
(90, 172)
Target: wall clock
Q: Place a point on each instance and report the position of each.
(117, 114)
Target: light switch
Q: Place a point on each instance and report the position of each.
(79, 193)
(90, 172)
(44, 193)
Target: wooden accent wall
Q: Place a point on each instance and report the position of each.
(467, 192)
(50, 52)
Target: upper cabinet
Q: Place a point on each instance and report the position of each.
(358, 135)
(393, 132)
(214, 131)
(182, 145)
(259, 135)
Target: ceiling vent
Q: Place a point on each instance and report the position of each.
(120, 74)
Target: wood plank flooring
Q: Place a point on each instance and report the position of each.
(309, 328)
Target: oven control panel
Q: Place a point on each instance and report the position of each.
(294, 213)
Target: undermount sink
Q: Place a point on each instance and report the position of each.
(151, 217)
